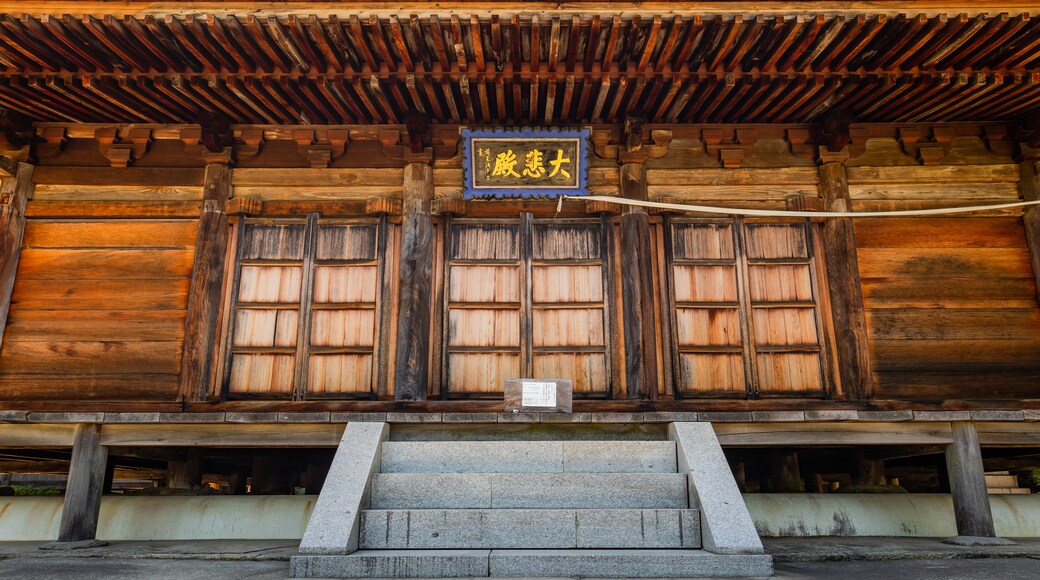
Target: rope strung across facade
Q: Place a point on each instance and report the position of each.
(792, 213)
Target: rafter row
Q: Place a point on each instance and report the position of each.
(161, 99)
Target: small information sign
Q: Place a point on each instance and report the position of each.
(525, 162)
(538, 396)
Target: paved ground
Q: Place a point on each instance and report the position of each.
(796, 558)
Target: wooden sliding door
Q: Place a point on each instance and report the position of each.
(745, 309)
(527, 298)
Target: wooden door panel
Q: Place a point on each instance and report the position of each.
(780, 283)
(789, 371)
(484, 327)
(266, 327)
(339, 373)
(345, 284)
(270, 284)
(261, 374)
(711, 372)
(484, 284)
(343, 328)
(587, 371)
(272, 242)
(481, 372)
(705, 284)
(567, 284)
(708, 326)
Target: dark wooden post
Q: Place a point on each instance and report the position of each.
(968, 483)
(79, 513)
(415, 293)
(1030, 191)
(846, 293)
(15, 191)
(637, 288)
(185, 472)
(207, 278)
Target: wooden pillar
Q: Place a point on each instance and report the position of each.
(185, 473)
(846, 293)
(867, 470)
(968, 483)
(784, 473)
(15, 191)
(79, 514)
(411, 378)
(637, 288)
(207, 278)
(1029, 188)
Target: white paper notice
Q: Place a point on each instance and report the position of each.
(538, 394)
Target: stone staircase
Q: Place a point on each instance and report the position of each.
(616, 508)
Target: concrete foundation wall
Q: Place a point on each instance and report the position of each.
(165, 518)
(285, 517)
(922, 515)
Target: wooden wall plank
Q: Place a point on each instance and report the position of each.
(944, 262)
(145, 264)
(732, 193)
(124, 209)
(939, 232)
(115, 325)
(95, 176)
(324, 177)
(733, 177)
(110, 234)
(114, 357)
(911, 174)
(15, 192)
(954, 324)
(298, 192)
(950, 292)
(116, 193)
(990, 192)
(92, 294)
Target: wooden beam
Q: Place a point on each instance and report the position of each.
(637, 289)
(795, 434)
(15, 435)
(79, 513)
(968, 483)
(846, 294)
(1029, 189)
(222, 435)
(15, 193)
(207, 278)
(415, 295)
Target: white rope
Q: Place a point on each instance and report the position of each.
(791, 213)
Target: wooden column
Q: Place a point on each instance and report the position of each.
(186, 472)
(968, 483)
(637, 288)
(15, 191)
(79, 514)
(415, 294)
(846, 293)
(1030, 191)
(207, 278)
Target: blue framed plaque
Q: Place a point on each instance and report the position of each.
(525, 162)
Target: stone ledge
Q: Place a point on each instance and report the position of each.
(48, 417)
(217, 417)
(14, 416)
(942, 415)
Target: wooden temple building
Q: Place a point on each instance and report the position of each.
(231, 232)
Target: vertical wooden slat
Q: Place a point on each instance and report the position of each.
(303, 326)
(846, 293)
(637, 288)
(207, 277)
(1029, 189)
(415, 291)
(15, 191)
(747, 321)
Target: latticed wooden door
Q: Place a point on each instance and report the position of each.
(745, 308)
(527, 298)
(306, 309)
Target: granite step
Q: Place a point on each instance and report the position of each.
(528, 456)
(530, 563)
(529, 528)
(529, 490)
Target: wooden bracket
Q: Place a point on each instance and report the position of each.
(123, 150)
(800, 141)
(634, 133)
(321, 147)
(824, 155)
(211, 141)
(395, 150)
(834, 130)
(14, 131)
(380, 205)
(805, 202)
(244, 206)
(656, 148)
(250, 144)
(418, 132)
(597, 207)
(448, 205)
(51, 142)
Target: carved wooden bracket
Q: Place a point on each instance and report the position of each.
(448, 205)
(387, 205)
(825, 155)
(597, 207)
(631, 147)
(729, 149)
(834, 130)
(211, 141)
(801, 143)
(122, 150)
(250, 142)
(804, 203)
(244, 206)
(51, 141)
(320, 148)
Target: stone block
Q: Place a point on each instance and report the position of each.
(308, 417)
(431, 491)
(832, 415)
(49, 417)
(217, 417)
(724, 416)
(473, 456)
(393, 564)
(334, 524)
(997, 416)
(626, 564)
(467, 529)
(231, 417)
(670, 416)
(615, 417)
(14, 416)
(131, 417)
(519, 417)
(413, 418)
(778, 416)
(469, 417)
(901, 415)
(588, 490)
(638, 529)
(357, 417)
(566, 417)
(942, 416)
(1031, 414)
(726, 525)
(618, 457)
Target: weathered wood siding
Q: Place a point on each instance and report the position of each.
(951, 308)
